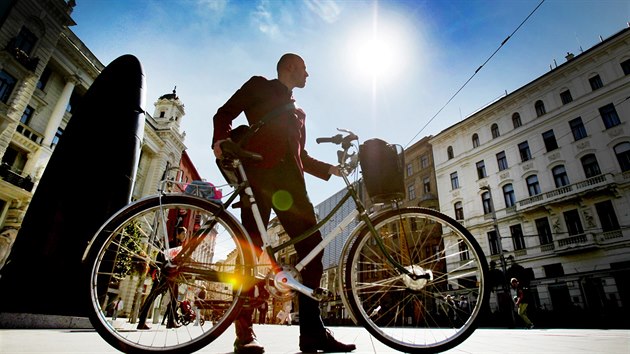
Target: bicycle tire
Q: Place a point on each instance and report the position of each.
(214, 258)
(414, 315)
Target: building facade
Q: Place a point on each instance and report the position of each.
(540, 178)
(45, 69)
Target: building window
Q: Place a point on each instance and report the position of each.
(502, 161)
(55, 140)
(523, 149)
(411, 192)
(590, 166)
(596, 82)
(625, 66)
(454, 181)
(475, 140)
(516, 120)
(544, 231)
(553, 270)
(409, 169)
(540, 108)
(424, 161)
(508, 195)
(43, 79)
(25, 40)
(495, 131)
(27, 115)
(463, 251)
(577, 128)
(565, 96)
(517, 237)
(7, 83)
(426, 183)
(560, 176)
(459, 211)
(493, 242)
(532, 185)
(550, 140)
(607, 216)
(574, 225)
(449, 152)
(622, 151)
(481, 170)
(609, 116)
(486, 202)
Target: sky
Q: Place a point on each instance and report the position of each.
(394, 70)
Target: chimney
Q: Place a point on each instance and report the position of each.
(569, 56)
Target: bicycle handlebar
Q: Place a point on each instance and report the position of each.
(339, 139)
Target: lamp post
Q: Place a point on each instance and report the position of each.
(506, 287)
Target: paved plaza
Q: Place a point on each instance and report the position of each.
(284, 339)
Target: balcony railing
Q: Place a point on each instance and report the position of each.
(584, 241)
(15, 179)
(565, 191)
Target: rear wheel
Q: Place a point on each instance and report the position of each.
(436, 306)
(128, 261)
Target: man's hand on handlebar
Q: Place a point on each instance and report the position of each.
(334, 170)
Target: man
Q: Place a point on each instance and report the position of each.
(521, 301)
(278, 183)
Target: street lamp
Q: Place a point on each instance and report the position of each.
(506, 287)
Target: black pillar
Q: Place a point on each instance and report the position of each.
(89, 176)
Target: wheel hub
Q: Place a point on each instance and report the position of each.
(418, 277)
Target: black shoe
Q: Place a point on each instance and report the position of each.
(251, 347)
(172, 325)
(326, 343)
(143, 326)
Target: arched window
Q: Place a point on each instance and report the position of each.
(532, 185)
(487, 203)
(449, 152)
(508, 195)
(560, 176)
(590, 165)
(540, 108)
(459, 211)
(622, 151)
(475, 140)
(495, 131)
(516, 120)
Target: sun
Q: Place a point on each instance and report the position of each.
(377, 51)
(375, 57)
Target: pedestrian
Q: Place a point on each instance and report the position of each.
(118, 305)
(278, 183)
(262, 312)
(522, 301)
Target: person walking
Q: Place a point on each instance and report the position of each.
(521, 301)
(278, 183)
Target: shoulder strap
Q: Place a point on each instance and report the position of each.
(265, 119)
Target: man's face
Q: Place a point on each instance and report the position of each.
(299, 74)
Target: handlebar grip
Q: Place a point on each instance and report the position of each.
(337, 139)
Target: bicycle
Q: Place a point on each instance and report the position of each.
(398, 265)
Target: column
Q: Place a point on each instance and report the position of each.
(59, 110)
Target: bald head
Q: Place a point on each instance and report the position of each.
(292, 71)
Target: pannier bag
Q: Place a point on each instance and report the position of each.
(382, 165)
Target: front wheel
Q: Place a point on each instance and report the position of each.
(128, 261)
(435, 306)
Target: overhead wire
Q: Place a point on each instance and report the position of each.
(475, 73)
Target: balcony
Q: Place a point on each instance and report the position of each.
(15, 179)
(583, 242)
(566, 192)
(28, 62)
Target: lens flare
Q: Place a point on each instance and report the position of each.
(282, 200)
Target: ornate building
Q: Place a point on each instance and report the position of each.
(540, 178)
